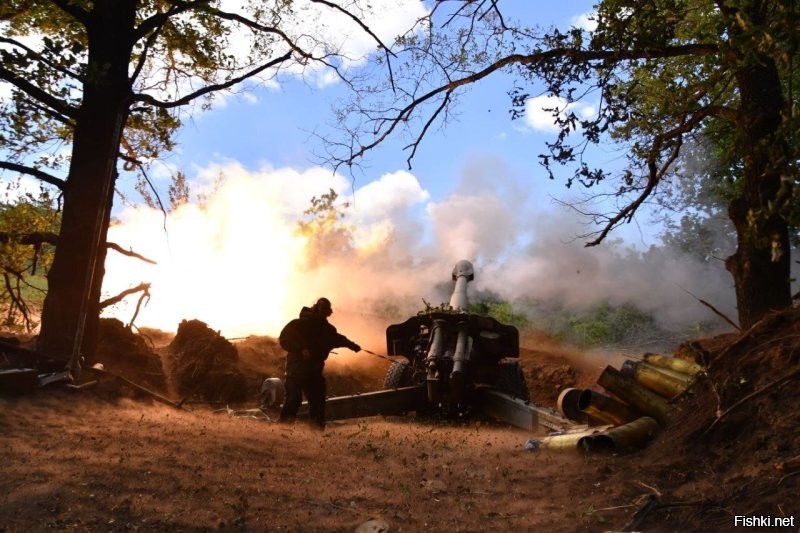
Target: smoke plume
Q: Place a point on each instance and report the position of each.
(237, 262)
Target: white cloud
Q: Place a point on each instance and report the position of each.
(12, 190)
(321, 30)
(585, 21)
(538, 119)
(389, 193)
(5, 92)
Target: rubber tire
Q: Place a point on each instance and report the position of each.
(511, 380)
(398, 375)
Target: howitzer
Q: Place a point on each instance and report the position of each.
(451, 351)
(453, 362)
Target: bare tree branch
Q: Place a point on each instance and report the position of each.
(17, 302)
(146, 98)
(41, 237)
(445, 101)
(386, 50)
(542, 58)
(656, 172)
(142, 287)
(36, 173)
(129, 252)
(37, 93)
(713, 309)
(151, 38)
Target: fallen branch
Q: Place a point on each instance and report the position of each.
(713, 309)
(653, 504)
(777, 383)
(639, 516)
(790, 465)
(138, 387)
(767, 319)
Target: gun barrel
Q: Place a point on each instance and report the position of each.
(463, 273)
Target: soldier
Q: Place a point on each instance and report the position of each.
(308, 340)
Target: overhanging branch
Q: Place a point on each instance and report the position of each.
(148, 99)
(37, 93)
(36, 173)
(37, 238)
(38, 57)
(656, 172)
(130, 253)
(158, 20)
(542, 58)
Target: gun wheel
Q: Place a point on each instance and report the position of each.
(398, 375)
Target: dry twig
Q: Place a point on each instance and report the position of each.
(775, 384)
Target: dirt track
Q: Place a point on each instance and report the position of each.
(98, 460)
(79, 461)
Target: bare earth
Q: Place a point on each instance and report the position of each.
(107, 459)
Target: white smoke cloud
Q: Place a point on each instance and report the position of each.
(239, 264)
(557, 267)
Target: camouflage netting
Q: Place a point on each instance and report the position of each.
(204, 365)
(127, 354)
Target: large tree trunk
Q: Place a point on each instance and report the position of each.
(98, 130)
(90, 334)
(761, 264)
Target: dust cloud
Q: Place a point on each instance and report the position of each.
(237, 262)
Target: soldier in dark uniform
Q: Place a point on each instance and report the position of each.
(308, 340)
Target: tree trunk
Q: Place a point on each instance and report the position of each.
(92, 173)
(761, 264)
(89, 344)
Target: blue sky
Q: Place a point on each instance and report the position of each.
(476, 191)
(272, 125)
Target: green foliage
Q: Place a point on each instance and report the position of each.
(328, 236)
(502, 311)
(170, 57)
(178, 191)
(26, 224)
(608, 325)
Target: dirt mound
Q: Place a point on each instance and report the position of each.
(203, 364)
(546, 378)
(551, 367)
(124, 353)
(730, 447)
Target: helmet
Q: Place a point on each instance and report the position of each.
(323, 307)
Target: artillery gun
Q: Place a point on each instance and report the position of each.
(453, 363)
(454, 353)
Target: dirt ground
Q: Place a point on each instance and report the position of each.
(109, 458)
